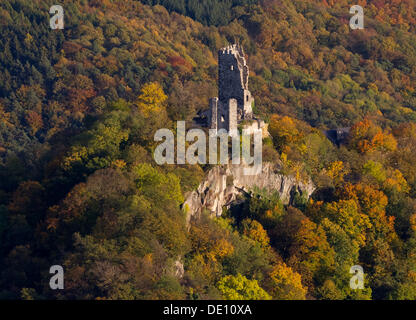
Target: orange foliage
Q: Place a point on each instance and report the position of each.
(255, 231)
(372, 203)
(284, 130)
(367, 136)
(34, 120)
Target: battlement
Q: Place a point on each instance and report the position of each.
(233, 49)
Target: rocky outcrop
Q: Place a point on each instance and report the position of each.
(224, 184)
(179, 268)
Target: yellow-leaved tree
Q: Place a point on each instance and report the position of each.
(286, 284)
(152, 114)
(151, 99)
(240, 288)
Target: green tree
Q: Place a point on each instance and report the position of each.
(240, 288)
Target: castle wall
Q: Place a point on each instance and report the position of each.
(213, 116)
(232, 115)
(235, 100)
(248, 101)
(229, 79)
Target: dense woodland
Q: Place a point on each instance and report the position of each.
(79, 188)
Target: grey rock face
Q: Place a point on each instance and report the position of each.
(179, 268)
(224, 184)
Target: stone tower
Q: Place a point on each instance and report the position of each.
(235, 100)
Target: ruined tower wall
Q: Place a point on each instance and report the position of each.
(232, 115)
(213, 116)
(233, 80)
(235, 100)
(229, 79)
(223, 116)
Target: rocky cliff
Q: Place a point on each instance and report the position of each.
(224, 184)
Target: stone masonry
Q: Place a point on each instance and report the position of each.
(234, 102)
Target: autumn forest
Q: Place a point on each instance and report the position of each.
(79, 187)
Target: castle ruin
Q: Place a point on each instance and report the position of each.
(234, 102)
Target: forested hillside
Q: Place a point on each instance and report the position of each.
(208, 12)
(79, 188)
